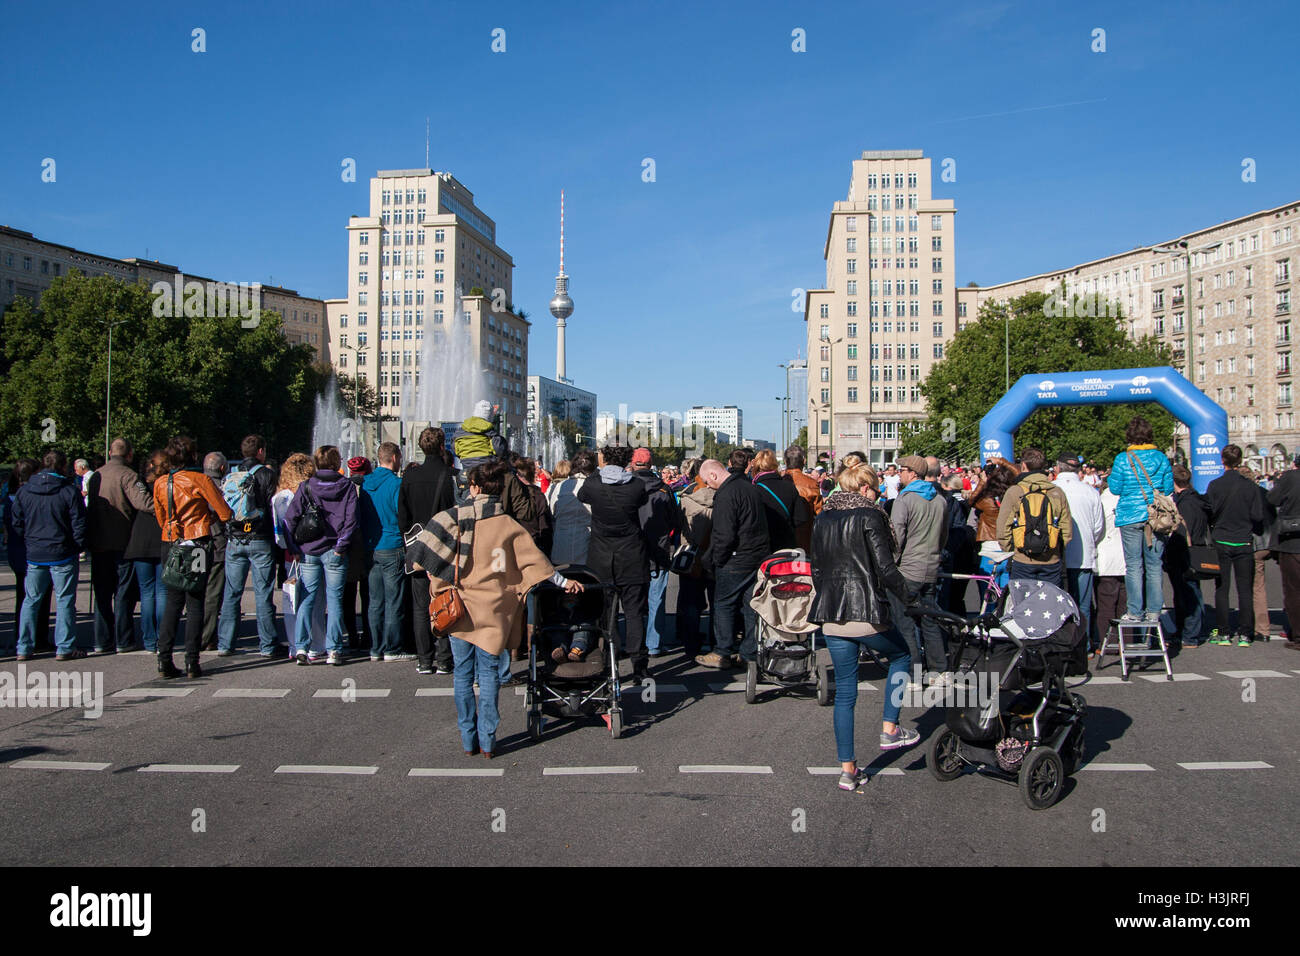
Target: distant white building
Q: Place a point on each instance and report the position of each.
(561, 401)
(725, 421)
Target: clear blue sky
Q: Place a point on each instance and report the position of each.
(227, 162)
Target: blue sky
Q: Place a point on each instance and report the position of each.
(227, 162)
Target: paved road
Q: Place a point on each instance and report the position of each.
(1201, 771)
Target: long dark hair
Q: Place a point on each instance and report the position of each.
(997, 479)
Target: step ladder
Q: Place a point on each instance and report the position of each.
(1134, 639)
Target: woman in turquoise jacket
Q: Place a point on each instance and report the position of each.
(1135, 476)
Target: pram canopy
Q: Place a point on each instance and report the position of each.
(783, 593)
(1035, 610)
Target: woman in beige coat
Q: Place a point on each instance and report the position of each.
(498, 564)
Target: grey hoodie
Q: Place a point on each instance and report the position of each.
(921, 529)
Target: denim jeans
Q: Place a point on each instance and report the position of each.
(656, 616)
(844, 658)
(1189, 608)
(42, 612)
(478, 721)
(387, 579)
(113, 580)
(924, 637)
(148, 575)
(1143, 565)
(733, 590)
(327, 572)
(1079, 583)
(40, 579)
(242, 556)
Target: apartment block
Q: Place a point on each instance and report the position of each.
(725, 421)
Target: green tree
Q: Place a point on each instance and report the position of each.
(211, 377)
(367, 402)
(970, 379)
(802, 439)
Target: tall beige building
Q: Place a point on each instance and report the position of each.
(424, 241)
(1236, 309)
(888, 308)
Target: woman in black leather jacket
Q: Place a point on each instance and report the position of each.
(853, 565)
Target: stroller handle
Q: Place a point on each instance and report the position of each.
(936, 612)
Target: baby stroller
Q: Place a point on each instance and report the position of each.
(786, 640)
(571, 687)
(1012, 715)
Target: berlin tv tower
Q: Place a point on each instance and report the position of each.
(561, 304)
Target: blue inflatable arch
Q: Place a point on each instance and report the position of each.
(1206, 420)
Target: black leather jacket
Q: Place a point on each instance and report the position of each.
(853, 565)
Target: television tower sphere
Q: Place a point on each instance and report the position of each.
(561, 305)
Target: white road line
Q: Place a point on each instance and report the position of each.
(1240, 674)
(435, 691)
(835, 771)
(189, 768)
(1109, 679)
(1228, 765)
(721, 768)
(1160, 678)
(155, 692)
(251, 692)
(58, 765)
(323, 768)
(1117, 766)
(455, 772)
(580, 771)
(355, 692)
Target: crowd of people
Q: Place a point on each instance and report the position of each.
(183, 536)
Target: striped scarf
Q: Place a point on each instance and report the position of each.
(432, 547)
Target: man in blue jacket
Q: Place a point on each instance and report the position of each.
(50, 514)
(1135, 475)
(383, 536)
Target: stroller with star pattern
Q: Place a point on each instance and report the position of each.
(1010, 713)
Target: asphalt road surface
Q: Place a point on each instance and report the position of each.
(270, 763)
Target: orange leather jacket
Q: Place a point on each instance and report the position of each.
(198, 504)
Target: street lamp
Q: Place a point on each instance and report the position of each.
(108, 391)
(785, 414)
(360, 353)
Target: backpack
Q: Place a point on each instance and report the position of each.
(478, 439)
(311, 523)
(661, 522)
(238, 489)
(1036, 527)
(1162, 513)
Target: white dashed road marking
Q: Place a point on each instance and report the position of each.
(580, 771)
(721, 768)
(835, 771)
(1240, 674)
(455, 772)
(325, 768)
(1160, 678)
(356, 692)
(58, 765)
(251, 692)
(1228, 765)
(155, 692)
(190, 768)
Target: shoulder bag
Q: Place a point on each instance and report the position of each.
(447, 607)
(1162, 513)
(310, 526)
(187, 562)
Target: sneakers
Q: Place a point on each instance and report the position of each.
(73, 655)
(376, 658)
(230, 653)
(903, 737)
(716, 661)
(1243, 641)
(853, 782)
(130, 648)
(389, 658)
(425, 669)
(944, 679)
(101, 651)
(302, 659)
(1220, 639)
(442, 671)
(336, 658)
(1132, 619)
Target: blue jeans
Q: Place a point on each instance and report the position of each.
(387, 579)
(844, 658)
(477, 720)
(330, 572)
(1189, 608)
(655, 615)
(733, 590)
(1079, 583)
(1142, 563)
(39, 580)
(256, 555)
(152, 598)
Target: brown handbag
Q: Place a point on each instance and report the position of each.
(447, 608)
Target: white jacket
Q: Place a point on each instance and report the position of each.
(1087, 518)
(1110, 552)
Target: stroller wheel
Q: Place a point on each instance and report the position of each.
(615, 723)
(1041, 778)
(944, 760)
(751, 682)
(823, 684)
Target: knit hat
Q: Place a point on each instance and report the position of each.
(358, 466)
(915, 462)
(641, 456)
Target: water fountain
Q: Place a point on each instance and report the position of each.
(546, 441)
(333, 424)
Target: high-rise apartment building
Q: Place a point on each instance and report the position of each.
(1234, 309)
(415, 265)
(725, 421)
(887, 310)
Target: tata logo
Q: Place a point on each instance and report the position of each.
(1141, 381)
(1139, 391)
(1205, 439)
(992, 445)
(1046, 385)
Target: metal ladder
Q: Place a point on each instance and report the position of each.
(1136, 646)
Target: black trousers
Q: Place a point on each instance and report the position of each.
(116, 593)
(192, 603)
(430, 648)
(693, 596)
(350, 613)
(1238, 562)
(635, 602)
(1289, 564)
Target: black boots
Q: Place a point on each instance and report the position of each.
(166, 668)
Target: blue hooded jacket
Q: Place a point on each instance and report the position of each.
(1130, 486)
(50, 515)
(926, 489)
(379, 510)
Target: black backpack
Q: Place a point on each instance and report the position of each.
(311, 523)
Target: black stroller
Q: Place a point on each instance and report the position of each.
(566, 687)
(1010, 713)
(786, 642)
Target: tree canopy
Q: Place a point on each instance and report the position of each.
(970, 380)
(209, 377)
